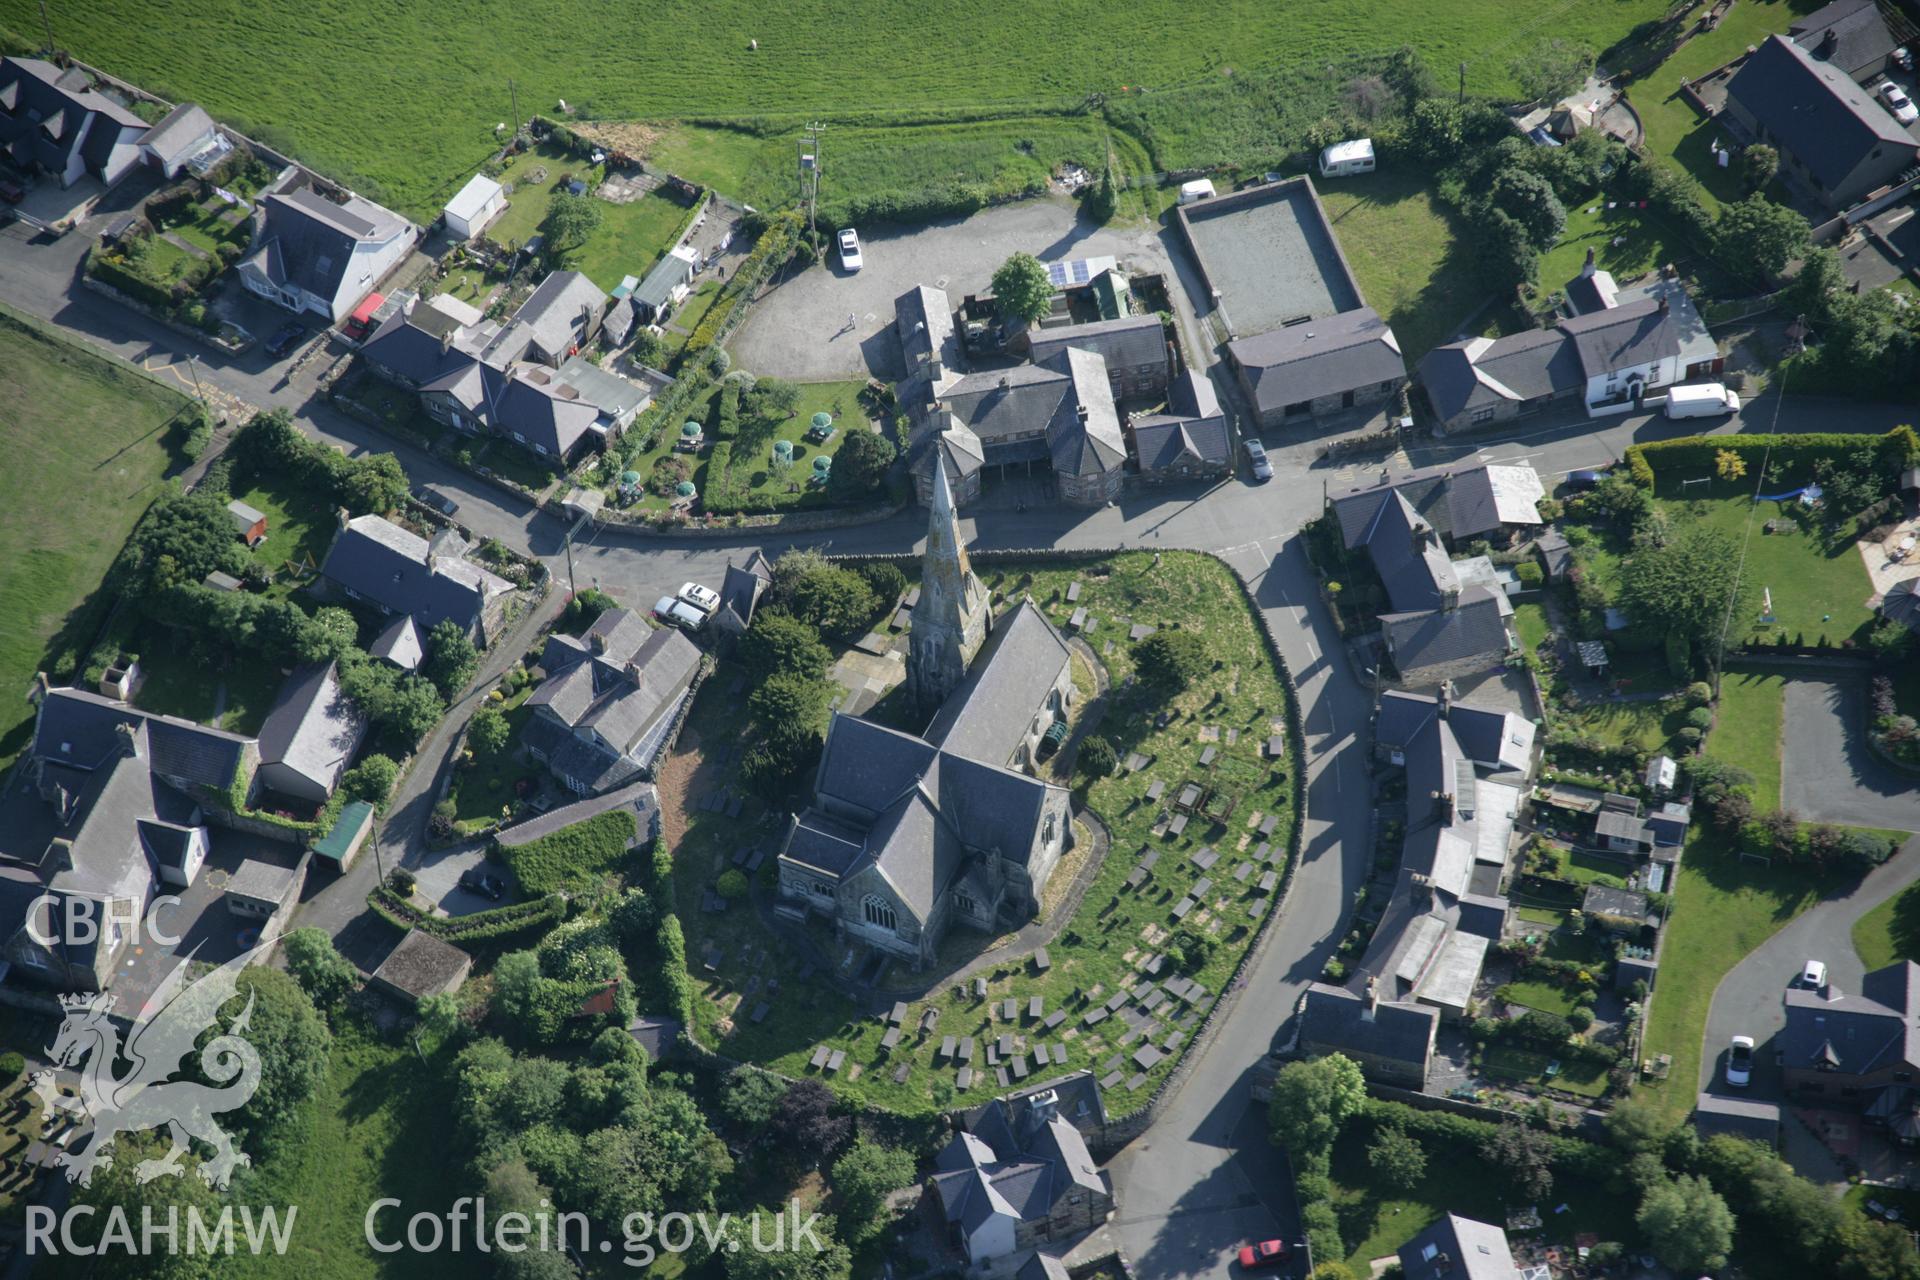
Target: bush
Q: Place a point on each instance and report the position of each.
(1171, 659)
(573, 857)
(1701, 718)
(886, 579)
(371, 780)
(12, 1067)
(732, 885)
(1530, 573)
(1699, 693)
(1098, 759)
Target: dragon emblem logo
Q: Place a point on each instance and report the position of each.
(159, 1045)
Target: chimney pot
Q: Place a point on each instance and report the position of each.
(1590, 266)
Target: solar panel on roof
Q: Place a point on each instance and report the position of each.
(1079, 270)
(1057, 272)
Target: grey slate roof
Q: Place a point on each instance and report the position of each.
(313, 729)
(1407, 554)
(1902, 603)
(1493, 738)
(1129, 342)
(422, 344)
(46, 112)
(1013, 1161)
(923, 319)
(1428, 638)
(1741, 1117)
(1848, 34)
(1007, 402)
(742, 585)
(386, 564)
(986, 717)
(308, 240)
(637, 798)
(1335, 1018)
(400, 644)
(1814, 110)
(1084, 436)
(635, 676)
(177, 132)
(1457, 1248)
(1193, 426)
(1341, 352)
(562, 313)
(1458, 501)
(1605, 900)
(1856, 1034)
(657, 286)
(1623, 336)
(1523, 366)
(76, 729)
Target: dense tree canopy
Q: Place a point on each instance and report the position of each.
(1021, 289)
(1689, 588)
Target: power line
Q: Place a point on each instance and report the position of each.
(1740, 567)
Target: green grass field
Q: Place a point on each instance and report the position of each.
(629, 240)
(90, 435)
(1531, 625)
(1402, 244)
(1747, 729)
(1538, 995)
(1889, 932)
(401, 102)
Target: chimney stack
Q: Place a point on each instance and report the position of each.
(60, 854)
(1081, 410)
(1587, 271)
(1446, 698)
(127, 737)
(1005, 382)
(1372, 1008)
(342, 516)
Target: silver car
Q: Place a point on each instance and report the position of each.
(1257, 459)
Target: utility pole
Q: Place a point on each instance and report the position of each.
(1463, 84)
(810, 174)
(47, 22)
(514, 93)
(193, 367)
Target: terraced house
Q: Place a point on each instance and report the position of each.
(610, 700)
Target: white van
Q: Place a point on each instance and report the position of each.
(1198, 189)
(1702, 400)
(1344, 159)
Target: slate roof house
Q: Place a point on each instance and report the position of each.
(1192, 440)
(110, 802)
(52, 121)
(186, 133)
(315, 254)
(1466, 769)
(610, 700)
(1833, 136)
(1391, 1042)
(1438, 627)
(1057, 413)
(1019, 1175)
(1301, 373)
(310, 735)
(1457, 1248)
(909, 835)
(523, 380)
(375, 560)
(1841, 1049)
(1134, 348)
(1848, 34)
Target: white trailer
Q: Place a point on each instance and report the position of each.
(1344, 159)
(1198, 189)
(1702, 400)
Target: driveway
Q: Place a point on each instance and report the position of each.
(800, 330)
(1827, 772)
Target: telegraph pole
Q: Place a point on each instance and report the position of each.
(810, 173)
(1463, 84)
(514, 93)
(47, 22)
(193, 367)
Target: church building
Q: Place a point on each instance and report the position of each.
(911, 834)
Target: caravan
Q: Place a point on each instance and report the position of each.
(1344, 159)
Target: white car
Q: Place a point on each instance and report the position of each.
(705, 599)
(1814, 976)
(1740, 1061)
(674, 612)
(1899, 103)
(850, 250)
(1257, 459)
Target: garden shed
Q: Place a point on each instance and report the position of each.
(421, 965)
(478, 203)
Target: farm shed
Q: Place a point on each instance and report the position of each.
(421, 965)
(477, 204)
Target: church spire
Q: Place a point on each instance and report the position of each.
(951, 620)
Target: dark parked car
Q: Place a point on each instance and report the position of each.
(1584, 479)
(487, 886)
(286, 339)
(437, 500)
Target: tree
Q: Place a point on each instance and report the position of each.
(183, 538)
(1552, 69)
(1330, 1271)
(763, 1246)
(1021, 289)
(440, 1015)
(863, 1178)
(836, 601)
(749, 1096)
(372, 779)
(1171, 659)
(860, 468)
(1529, 200)
(1097, 757)
(1507, 255)
(1689, 589)
(884, 576)
(1755, 239)
(775, 399)
(570, 220)
(780, 644)
(412, 710)
(809, 1123)
(511, 1187)
(788, 705)
(488, 731)
(1103, 198)
(329, 636)
(374, 484)
(292, 1041)
(1729, 465)
(322, 972)
(1311, 1101)
(1637, 1124)
(116, 1189)
(451, 658)
(1524, 1157)
(1687, 1224)
(1758, 163)
(1397, 1159)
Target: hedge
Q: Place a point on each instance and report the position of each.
(672, 943)
(1794, 455)
(481, 926)
(111, 270)
(1444, 1130)
(574, 856)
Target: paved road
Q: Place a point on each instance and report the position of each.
(1749, 1000)
(1827, 771)
(1203, 1179)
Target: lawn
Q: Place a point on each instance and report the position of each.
(630, 238)
(1817, 592)
(1113, 929)
(480, 790)
(1889, 932)
(410, 130)
(1747, 729)
(378, 1126)
(1524, 1066)
(177, 681)
(1645, 725)
(1538, 995)
(1645, 239)
(1531, 625)
(1375, 1221)
(300, 529)
(1673, 128)
(1413, 266)
(96, 432)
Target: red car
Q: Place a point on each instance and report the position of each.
(1269, 1253)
